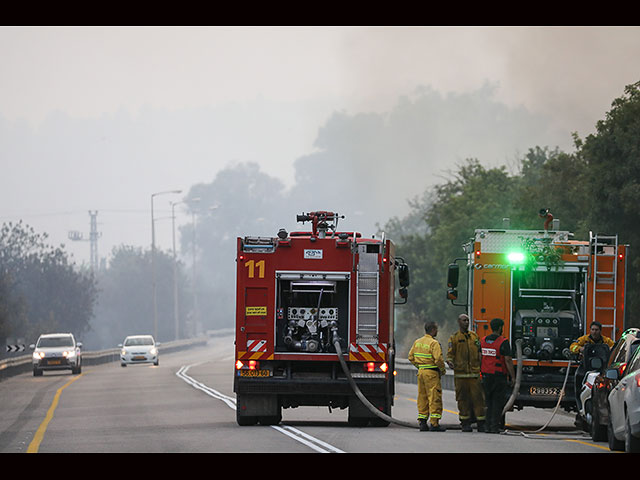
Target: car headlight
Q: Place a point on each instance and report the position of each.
(153, 351)
(69, 353)
(123, 352)
(38, 355)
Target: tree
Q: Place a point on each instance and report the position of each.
(125, 306)
(248, 203)
(42, 291)
(473, 197)
(612, 158)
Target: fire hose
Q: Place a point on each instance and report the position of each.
(508, 405)
(516, 388)
(358, 392)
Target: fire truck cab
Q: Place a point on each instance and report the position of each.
(297, 295)
(548, 288)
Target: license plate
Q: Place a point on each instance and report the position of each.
(139, 358)
(54, 362)
(546, 391)
(255, 373)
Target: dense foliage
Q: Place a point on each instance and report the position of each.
(40, 290)
(595, 188)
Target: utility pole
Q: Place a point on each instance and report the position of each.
(94, 235)
(93, 239)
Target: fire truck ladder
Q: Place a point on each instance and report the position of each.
(605, 282)
(367, 286)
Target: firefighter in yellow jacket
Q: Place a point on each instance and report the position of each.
(595, 336)
(464, 356)
(426, 355)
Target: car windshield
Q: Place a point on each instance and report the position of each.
(61, 341)
(138, 341)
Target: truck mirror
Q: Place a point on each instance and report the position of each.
(612, 374)
(404, 293)
(403, 274)
(452, 294)
(452, 277)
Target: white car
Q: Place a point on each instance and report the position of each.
(624, 407)
(57, 351)
(139, 349)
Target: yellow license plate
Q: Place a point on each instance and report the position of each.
(54, 362)
(139, 358)
(255, 373)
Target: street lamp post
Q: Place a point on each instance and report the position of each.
(153, 263)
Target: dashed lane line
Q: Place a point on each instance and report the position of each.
(298, 435)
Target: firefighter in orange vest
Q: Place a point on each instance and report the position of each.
(426, 355)
(497, 372)
(464, 357)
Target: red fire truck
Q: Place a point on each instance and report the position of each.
(301, 298)
(548, 288)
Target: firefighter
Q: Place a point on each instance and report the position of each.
(595, 336)
(464, 356)
(577, 348)
(426, 355)
(497, 373)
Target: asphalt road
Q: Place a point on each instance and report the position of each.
(187, 405)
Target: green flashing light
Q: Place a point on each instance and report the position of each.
(515, 257)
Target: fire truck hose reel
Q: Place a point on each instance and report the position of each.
(358, 392)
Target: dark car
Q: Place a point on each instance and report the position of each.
(621, 353)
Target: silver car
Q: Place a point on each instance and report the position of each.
(624, 407)
(139, 349)
(57, 351)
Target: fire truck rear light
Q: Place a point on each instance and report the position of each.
(253, 365)
(372, 367)
(239, 365)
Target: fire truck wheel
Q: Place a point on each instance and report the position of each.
(245, 421)
(358, 421)
(379, 422)
(271, 419)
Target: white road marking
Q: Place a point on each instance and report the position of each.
(298, 435)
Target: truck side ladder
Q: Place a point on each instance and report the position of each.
(368, 279)
(605, 280)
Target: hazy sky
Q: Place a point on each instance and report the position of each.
(68, 78)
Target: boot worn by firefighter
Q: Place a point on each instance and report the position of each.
(423, 425)
(481, 425)
(437, 428)
(466, 426)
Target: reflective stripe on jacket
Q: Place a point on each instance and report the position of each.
(427, 353)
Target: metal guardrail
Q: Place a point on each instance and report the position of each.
(23, 363)
(407, 373)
